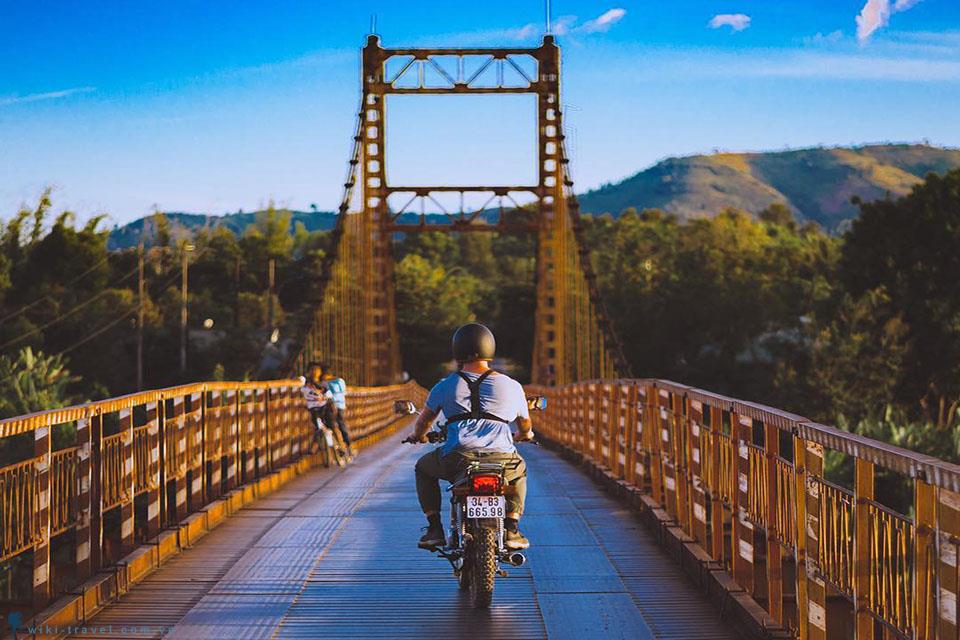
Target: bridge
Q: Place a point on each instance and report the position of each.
(656, 510)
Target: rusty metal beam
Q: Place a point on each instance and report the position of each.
(462, 227)
(500, 190)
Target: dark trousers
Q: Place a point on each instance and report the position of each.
(342, 424)
(332, 417)
(433, 467)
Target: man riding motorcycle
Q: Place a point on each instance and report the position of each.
(478, 404)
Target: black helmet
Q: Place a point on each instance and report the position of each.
(473, 342)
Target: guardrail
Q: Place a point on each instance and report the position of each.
(746, 482)
(143, 462)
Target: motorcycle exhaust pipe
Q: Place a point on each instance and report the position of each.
(517, 559)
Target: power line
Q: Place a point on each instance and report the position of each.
(67, 314)
(99, 331)
(47, 296)
(110, 324)
(85, 339)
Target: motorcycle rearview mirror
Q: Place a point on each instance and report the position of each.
(537, 403)
(404, 408)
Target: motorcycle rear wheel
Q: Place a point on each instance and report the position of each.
(484, 568)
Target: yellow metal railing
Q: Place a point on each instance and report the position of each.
(747, 483)
(19, 528)
(148, 459)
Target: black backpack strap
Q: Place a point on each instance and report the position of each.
(475, 412)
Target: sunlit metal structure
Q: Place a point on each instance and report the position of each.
(148, 460)
(746, 485)
(738, 490)
(354, 326)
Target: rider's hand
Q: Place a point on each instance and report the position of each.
(524, 436)
(412, 439)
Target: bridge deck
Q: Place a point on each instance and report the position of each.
(333, 554)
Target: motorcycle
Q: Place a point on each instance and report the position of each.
(475, 543)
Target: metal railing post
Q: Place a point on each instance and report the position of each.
(96, 491)
(179, 442)
(128, 480)
(946, 596)
(811, 589)
(84, 503)
(155, 477)
(716, 496)
(771, 442)
(680, 441)
(743, 553)
(924, 559)
(653, 428)
(630, 433)
(232, 448)
(864, 486)
(700, 484)
(42, 444)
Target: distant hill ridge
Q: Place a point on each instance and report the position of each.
(817, 184)
(129, 234)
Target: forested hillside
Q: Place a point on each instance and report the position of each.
(858, 329)
(816, 184)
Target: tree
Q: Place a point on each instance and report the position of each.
(779, 214)
(908, 247)
(33, 382)
(431, 303)
(858, 358)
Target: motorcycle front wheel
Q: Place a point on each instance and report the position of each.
(484, 566)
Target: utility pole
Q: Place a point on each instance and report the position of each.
(271, 282)
(184, 271)
(140, 288)
(236, 292)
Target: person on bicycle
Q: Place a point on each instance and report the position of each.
(487, 438)
(318, 398)
(338, 393)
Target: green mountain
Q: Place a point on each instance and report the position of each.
(129, 234)
(817, 184)
(186, 224)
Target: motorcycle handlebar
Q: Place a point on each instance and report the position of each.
(432, 437)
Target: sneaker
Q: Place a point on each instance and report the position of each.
(515, 540)
(432, 538)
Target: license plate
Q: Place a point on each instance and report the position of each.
(486, 506)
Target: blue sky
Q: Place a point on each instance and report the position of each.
(216, 106)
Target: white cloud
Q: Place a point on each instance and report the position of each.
(49, 95)
(903, 5)
(603, 22)
(564, 25)
(736, 21)
(825, 38)
(561, 26)
(876, 14)
(525, 32)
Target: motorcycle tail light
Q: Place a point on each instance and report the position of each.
(485, 485)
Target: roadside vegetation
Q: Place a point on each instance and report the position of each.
(860, 330)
